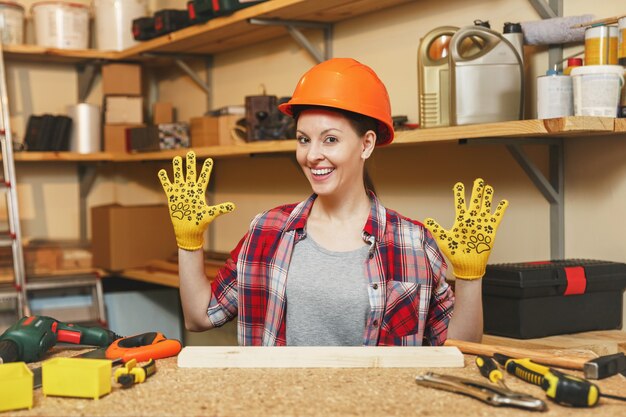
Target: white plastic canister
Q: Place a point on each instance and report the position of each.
(61, 25)
(11, 23)
(114, 21)
(597, 89)
(85, 128)
(554, 96)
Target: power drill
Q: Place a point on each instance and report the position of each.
(31, 337)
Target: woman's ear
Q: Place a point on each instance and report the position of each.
(369, 142)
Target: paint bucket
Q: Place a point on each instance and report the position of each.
(11, 23)
(601, 45)
(554, 96)
(85, 128)
(597, 89)
(621, 48)
(114, 20)
(61, 25)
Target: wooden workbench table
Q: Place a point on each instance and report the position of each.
(174, 391)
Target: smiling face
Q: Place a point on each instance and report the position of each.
(331, 152)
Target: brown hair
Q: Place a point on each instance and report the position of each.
(359, 122)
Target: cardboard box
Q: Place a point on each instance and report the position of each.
(121, 79)
(115, 137)
(123, 110)
(162, 112)
(213, 131)
(538, 299)
(129, 236)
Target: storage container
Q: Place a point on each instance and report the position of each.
(61, 25)
(538, 299)
(597, 89)
(11, 23)
(16, 386)
(76, 377)
(114, 21)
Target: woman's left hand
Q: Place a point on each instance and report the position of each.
(469, 242)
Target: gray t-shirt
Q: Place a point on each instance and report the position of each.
(327, 299)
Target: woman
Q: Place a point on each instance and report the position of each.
(338, 268)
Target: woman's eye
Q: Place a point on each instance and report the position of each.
(330, 139)
(303, 139)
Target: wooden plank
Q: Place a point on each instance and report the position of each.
(224, 33)
(620, 125)
(566, 126)
(605, 342)
(43, 54)
(61, 156)
(319, 357)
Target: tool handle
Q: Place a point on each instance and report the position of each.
(570, 390)
(561, 388)
(526, 370)
(94, 336)
(8, 351)
(559, 361)
(488, 368)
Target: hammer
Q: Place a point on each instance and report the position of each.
(597, 368)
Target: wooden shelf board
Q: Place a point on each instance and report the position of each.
(42, 54)
(268, 146)
(566, 126)
(562, 127)
(224, 33)
(61, 157)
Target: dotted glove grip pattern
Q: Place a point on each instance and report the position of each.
(186, 198)
(469, 242)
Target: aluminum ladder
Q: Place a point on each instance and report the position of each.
(14, 292)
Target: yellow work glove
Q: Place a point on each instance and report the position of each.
(468, 244)
(187, 202)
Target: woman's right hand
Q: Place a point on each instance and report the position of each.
(188, 210)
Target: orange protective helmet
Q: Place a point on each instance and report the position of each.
(346, 84)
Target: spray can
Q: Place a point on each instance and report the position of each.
(513, 33)
(554, 95)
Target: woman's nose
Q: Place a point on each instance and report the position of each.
(315, 152)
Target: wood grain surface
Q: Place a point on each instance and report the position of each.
(320, 357)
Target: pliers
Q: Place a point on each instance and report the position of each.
(132, 374)
(482, 391)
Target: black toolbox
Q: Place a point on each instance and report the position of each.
(537, 299)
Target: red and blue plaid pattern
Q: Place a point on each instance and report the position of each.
(411, 303)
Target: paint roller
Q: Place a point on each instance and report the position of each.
(556, 30)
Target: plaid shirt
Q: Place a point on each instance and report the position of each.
(411, 303)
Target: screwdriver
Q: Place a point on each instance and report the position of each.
(560, 387)
(489, 369)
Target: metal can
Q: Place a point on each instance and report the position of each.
(601, 45)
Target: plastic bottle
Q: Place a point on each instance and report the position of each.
(513, 33)
(571, 64)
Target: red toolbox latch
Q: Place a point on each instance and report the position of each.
(576, 280)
